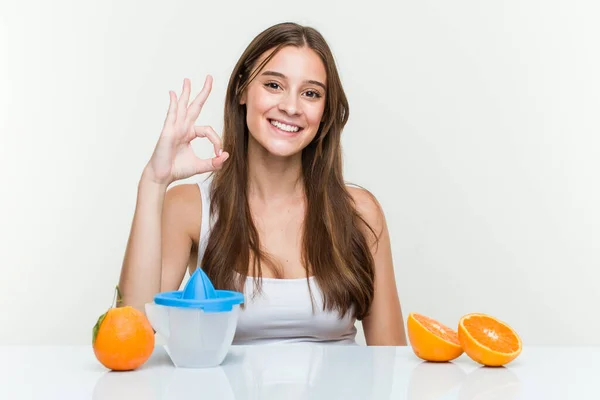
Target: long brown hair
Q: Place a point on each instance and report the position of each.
(335, 248)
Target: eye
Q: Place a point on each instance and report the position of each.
(313, 94)
(272, 85)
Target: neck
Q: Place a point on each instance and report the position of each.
(273, 178)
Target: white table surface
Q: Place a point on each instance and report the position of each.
(293, 372)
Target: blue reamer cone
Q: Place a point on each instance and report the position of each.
(199, 292)
(199, 287)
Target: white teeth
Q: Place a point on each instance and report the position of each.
(284, 127)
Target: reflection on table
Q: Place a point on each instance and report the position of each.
(298, 372)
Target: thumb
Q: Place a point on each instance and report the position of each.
(211, 164)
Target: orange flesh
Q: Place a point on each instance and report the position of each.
(438, 329)
(492, 334)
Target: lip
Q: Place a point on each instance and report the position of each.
(283, 121)
(282, 132)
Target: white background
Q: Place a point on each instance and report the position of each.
(474, 123)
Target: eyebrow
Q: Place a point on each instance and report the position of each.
(280, 75)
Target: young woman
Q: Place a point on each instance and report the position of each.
(275, 220)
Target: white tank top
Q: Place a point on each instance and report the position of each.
(283, 311)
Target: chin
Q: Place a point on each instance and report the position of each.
(282, 149)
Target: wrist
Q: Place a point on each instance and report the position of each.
(148, 180)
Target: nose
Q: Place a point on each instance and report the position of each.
(289, 104)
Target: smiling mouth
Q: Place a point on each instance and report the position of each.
(285, 127)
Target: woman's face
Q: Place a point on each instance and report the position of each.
(285, 102)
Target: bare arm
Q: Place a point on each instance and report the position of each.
(162, 230)
(182, 218)
(141, 271)
(384, 324)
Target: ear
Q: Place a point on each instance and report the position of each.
(243, 98)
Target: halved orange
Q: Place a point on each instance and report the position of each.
(487, 340)
(432, 340)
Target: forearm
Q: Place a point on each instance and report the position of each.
(141, 272)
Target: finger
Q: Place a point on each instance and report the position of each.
(184, 99)
(172, 113)
(196, 106)
(211, 164)
(209, 132)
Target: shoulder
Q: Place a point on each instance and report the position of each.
(183, 195)
(183, 207)
(368, 207)
(366, 203)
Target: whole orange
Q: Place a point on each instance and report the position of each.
(123, 339)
